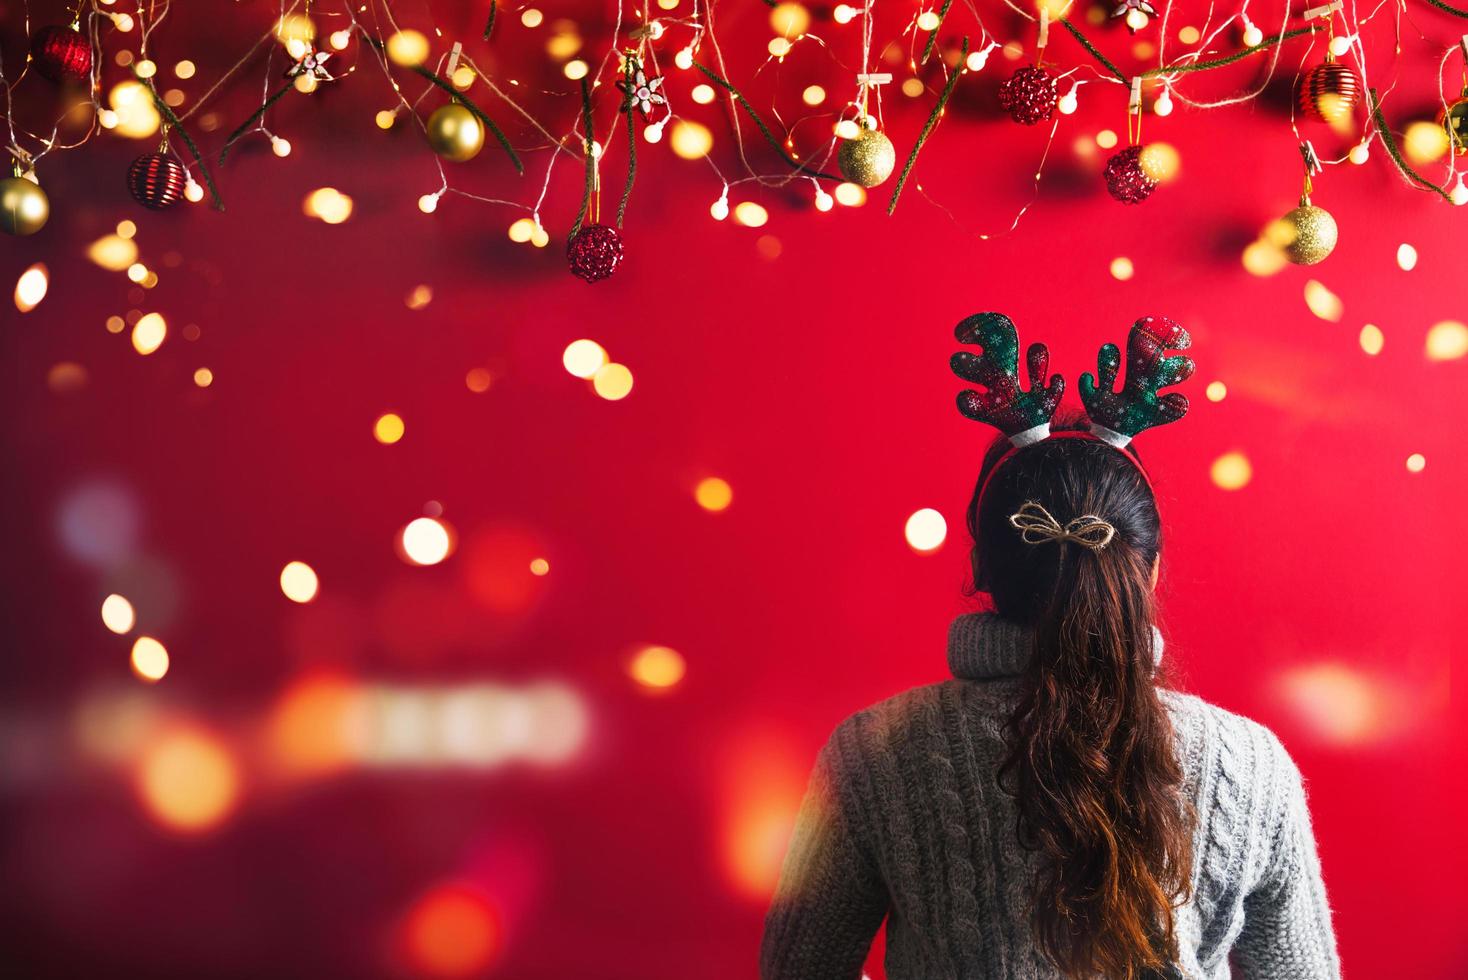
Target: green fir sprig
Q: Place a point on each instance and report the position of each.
(928, 126)
(770, 137)
(933, 34)
(255, 117)
(1391, 148)
(172, 121)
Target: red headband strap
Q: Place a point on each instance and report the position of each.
(1065, 434)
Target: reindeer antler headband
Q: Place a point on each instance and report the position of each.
(1116, 416)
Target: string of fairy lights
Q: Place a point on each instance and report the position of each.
(311, 43)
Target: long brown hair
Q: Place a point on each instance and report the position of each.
(1092, 763)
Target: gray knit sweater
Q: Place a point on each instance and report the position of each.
(904, 820)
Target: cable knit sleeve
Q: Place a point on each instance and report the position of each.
(1287, 931)
(831, 899)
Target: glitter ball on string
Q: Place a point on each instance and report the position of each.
(1328, 92)
(24, 207)
(156, 180)
(1029, 95)
(1125, 179)
(61, 54)
(594, 252)
(1308, 234)
(1455, 121)
(868, 158)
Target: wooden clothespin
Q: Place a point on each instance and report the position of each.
(1325, 10)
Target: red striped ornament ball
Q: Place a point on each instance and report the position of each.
(156, 180)
(61, 54)
(1328, 92)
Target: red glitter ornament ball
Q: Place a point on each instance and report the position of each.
(1328, 92)
(1029, 95)
(1125, 178)
(61, 54)
(594, 252)
(156, 180)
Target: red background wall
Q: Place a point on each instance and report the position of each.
(1323, 598)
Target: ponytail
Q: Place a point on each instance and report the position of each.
(1092, 764)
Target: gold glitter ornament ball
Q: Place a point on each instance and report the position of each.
(1308, 234)
(24, 207)
(868, 158)
(454, 133)
(1455, 121)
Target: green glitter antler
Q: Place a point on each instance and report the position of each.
(1117, 416)
(1023, 416)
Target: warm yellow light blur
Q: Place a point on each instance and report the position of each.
(299, 582)
(690, 140)
(851, 195)
(531, 17)
(113, 252)
(134, 113)
(1372, 339)
(148, 333)
(388, 428)
(184, 70)
(1122, 268)
(1425, 142)
(1322, 302)
(328, 204)
(1106, 139)
(702, 94)
(657, 668)
(779, 47)
(1159, 161)
(584, 358)
(1264, 258)
(1406, 257)
(1447, 341)
(149, 659)
(188, 781)
(789, 19)
(1416, 463)
(576, 70)
(813, 95)
(117, 614)
(522, 229)
(612, 381)
(407, 48)
(713, 493)
(30, 288)
(1216, 391)
(539, 567)
(463, 77)
(426, 541)
(925, 530)
(1231, 471)
(750, 214)
(1189, 35)
(420, 297)
(203, 377)
(478, 380)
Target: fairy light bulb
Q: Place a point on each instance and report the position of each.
(280, 146)
(123, 22)
(1340, 45)
(1459, 196)
(1136, 19)
(1068, 102)
(1163, 105)
(654, 132)
(843, 14)
(655, 30)
(1253, 36)
(428, 203)
(1360, 153)
(684, 58)
(193, 192)
(824, 201)
(720, 208)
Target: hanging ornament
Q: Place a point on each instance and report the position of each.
(1136, 12)
(594, 252)
(62, 54)
(1029, 95)
(639, 92)
(868, 158)
(1126, 179)
(24, 207)
(1328, 92)
(156, 179)
(1455, 121)
(1309, 233)
(455, 133)
(310, 71)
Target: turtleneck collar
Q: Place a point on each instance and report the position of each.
(981, 646)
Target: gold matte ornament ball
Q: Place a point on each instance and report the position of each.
(1309, 234)
(454, 133)
(868, 159)
(24, 207)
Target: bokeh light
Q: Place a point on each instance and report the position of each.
(407, 48)
(188, 780)
(149, 659)
(1416, 463)
(583, 358)
(1447, 341)
(113, 252)
(690, 140)
(1216, 391)
(452, 931)
(713, 493)
(657, 668)
(134, 114)
(789, 19)
(31, 287)
(612, 381)
(149, 333)
(426, 541)
(1322, 302)
(299, 582)
(926, 530)
(1372, 340)
(1231, 471)
(315, 726)
(1406, 257)
(388, 428)
(1122, 268)
(327, 204)
(1337, 703)
(117, 614)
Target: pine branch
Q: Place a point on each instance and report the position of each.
(590, 138)
(723, 83)
(489, 24)
(1095, 53)
(933, 34)
(1391, 148)
(928, 126)
(166, 111)
(479, 114)
(255, 117)
(631, 165)
(1239, 55)
(1452, 10)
